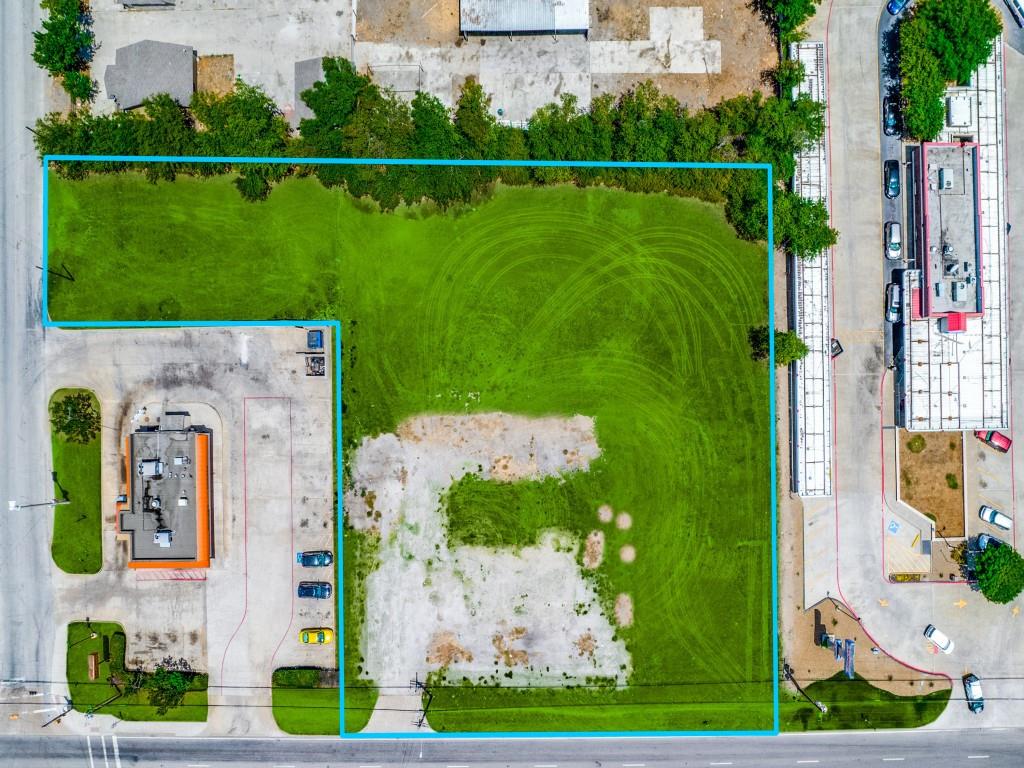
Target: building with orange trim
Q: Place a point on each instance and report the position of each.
(167, 509)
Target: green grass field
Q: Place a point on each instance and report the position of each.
(77, 545)
(633, 309)
(88, 695)
(858, 704)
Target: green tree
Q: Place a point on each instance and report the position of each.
(333, 101)
(787, 76)
(65, 42)
(788, 346)
(167, 687)
(76, 417)
(474, 120)
(941, 41)
(79, 86)
(786, 16)
(1000, 573)
(801, 225)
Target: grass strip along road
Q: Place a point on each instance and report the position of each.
(629, 308)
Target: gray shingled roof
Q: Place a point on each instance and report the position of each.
(147, 68)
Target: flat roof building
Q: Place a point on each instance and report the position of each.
(952, 345)
(168, 517)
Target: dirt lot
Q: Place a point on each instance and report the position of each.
(420, 22)
(811, 662)
(932, 480)
(747, 48)
(215, 74)
(747, 45)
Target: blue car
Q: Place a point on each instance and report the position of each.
(315, 559)
(320, 590)
(895, 7)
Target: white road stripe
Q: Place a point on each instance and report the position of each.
(117, 754)
(977, 757)
(632, 765)
(103, 743)
(546, 765)
(88, 745)
(805, 762)
(721, 763)
(891, 759)
(198, 765)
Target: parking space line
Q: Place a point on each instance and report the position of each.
(88, 746)
(103, 743)
(117, 753)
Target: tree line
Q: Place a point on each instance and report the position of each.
(64, 46)
(353, 117)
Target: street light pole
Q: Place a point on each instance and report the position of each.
(13, 505)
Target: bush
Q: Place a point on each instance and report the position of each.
(64, 45)
(916, 444)
(951, 481)
(788, 346)
(1000, 573)
(79, 86)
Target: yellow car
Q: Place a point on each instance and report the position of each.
(316, 636)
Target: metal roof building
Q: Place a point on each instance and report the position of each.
(811, 378)
(147, 68)
(504, 17)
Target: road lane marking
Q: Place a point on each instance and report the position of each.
(977, 757)
(117, 753)
(103, 743)
(891, 759)
(198, 765)
(456, 766)
(803, 762)
(633, 765)
(721, 763)
(88, 745)
(546, 765)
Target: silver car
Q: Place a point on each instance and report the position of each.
(893, 302)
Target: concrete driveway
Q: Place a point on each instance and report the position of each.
(987, 636)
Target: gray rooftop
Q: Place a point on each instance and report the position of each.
(523, 16)
(950, 243)
(161, 515)
(307, 72)
(146, 68)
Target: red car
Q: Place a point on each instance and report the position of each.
(994, 439)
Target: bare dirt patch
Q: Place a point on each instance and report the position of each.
(624, 521)
(586, 644)
(605, 513)
(506, 654)
(422, 22)
(216, 74)
(624, 610)
(593, 550)
(747, 48)
(931, 478)
(628, 553)
(811, 662)
(445, 650)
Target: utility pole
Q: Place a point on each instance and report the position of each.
(13, 506)
(788, 672)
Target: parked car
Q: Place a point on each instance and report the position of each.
(314, 559)
(891, 178)
(938, 638)
(320, 590)
(985, 541)
(316, 636)
(893, 240)
(892, 302)
(993, 516)
(994, 439)
(972, 690)
(890, 116)
(895, 7)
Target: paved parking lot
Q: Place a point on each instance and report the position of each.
(273, 495)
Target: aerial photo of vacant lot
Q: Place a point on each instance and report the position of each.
(557, 501)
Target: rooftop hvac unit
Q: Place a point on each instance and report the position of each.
(945, 178)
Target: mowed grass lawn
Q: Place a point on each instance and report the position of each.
(77, 545)
(858, 704)
(633, 309)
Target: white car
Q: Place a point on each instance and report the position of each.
(993, 516)
(938, 638)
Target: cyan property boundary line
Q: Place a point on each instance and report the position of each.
(335, 326)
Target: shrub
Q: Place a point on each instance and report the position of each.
(788, 346)
(951, 481)
(916, 444)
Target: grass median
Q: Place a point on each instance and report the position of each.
(77, 545)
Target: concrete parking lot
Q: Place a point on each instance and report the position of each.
(273, 495)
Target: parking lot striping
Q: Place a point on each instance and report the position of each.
(117, 753)
(103, 743)
(88, 746)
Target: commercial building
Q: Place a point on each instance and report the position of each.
(952, 348)
(167, 508)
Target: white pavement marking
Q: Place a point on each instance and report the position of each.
(977, 757)
(117, 754)
(103, 743)
(891, 759)
(632, 765)
(546, 765)
(721, 763)
(198, 765)
(88, 745)
(805, 762)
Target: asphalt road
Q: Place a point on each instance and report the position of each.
(915, 749)
(25, 596)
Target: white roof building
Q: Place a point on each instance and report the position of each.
(954, 375)
(493, 17)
